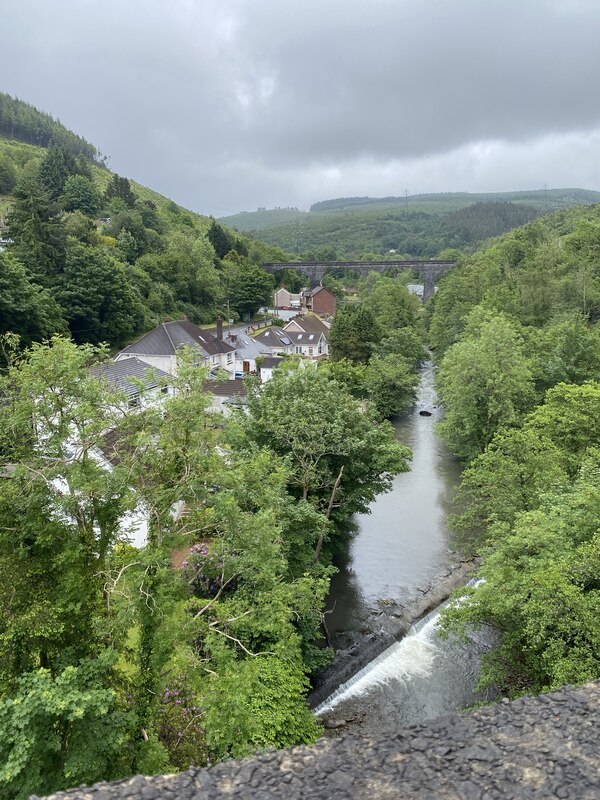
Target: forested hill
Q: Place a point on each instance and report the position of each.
(542, 199)
(25, 123)
(418, 226)
(92, 253)
(515, 328)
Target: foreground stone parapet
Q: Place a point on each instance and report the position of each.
(547, 746)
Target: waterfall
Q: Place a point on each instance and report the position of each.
(412, 656)
(421, 677)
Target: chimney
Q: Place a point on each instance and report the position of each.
(219, 328)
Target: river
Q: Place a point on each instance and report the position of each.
(398, 551)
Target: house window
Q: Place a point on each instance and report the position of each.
(311, 351)
(298, 349)
(134, 402)
(229, 358)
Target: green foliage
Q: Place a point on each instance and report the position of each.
(80, 194)
(392, 305)
(566, 350)
(483, 220)
(255, 706)
(220, 239)
(37, 233)
(57, 165)
(19, 120)
(25, 308)
(251, 288)
(541, 592)
(419, 226)
(519, 466)
(391, 383)
(119, 188)
(291, 279)
(97, 300)
(303, 414)
(485, 382)
(63, 730)
(8, 176)
(170, 267)
(406, 342)
(535, 274)
(353, 334)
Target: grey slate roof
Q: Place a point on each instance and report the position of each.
(168, 337)
(308, 323)
(226, 388)
(246, 346)
(273, 337)
(302, 338)
(271, 362)
(120, 373)
(316, 290)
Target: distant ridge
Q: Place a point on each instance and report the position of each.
(563, 197)
(411, 226)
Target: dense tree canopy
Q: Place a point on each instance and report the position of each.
(354, 334)
(114, 661)
(486, 382)
(517, 325)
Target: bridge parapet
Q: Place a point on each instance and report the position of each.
(316, 270)
(532, 748)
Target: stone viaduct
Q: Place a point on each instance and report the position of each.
(429, 271)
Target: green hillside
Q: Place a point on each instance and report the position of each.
(418, 226)
(100, 256)
(516, 330)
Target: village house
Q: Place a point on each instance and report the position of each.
(285, 299)
(144, 385)
(226, 395)
(268, 365)
(160, 347)
(307, 323)
(274, 341)
(304, 335)
(318, 301)
(246, 351)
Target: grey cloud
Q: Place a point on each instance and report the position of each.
(230, 105)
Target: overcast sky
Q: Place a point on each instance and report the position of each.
(226, 105)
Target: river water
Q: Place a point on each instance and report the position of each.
(399, 548)
(404, 542)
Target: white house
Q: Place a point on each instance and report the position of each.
(305, 336)
(285, 299)
(268, 366)
(273, 341)
(159, 348)
(247, 349)
(307, 323)
(226, 395)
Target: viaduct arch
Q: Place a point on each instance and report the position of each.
(429, 271)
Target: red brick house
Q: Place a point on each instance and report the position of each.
(319, 300)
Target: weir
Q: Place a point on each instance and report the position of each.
(417, 679)
(413, 655)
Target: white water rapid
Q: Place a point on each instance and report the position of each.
(421, 677)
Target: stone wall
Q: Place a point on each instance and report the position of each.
(541, 747)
